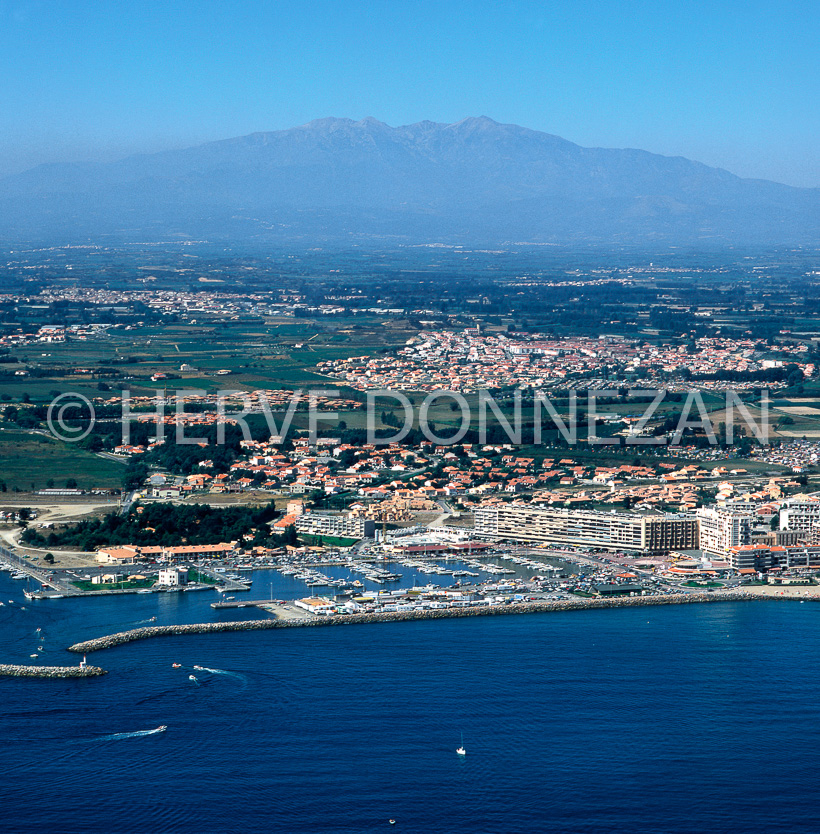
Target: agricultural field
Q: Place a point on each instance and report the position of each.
(31, 461)
(269, 355)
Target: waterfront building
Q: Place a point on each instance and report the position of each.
(131, 552)
(316, 605)
(117, 555)
(340, 526)
(720, 529)
(172, 577)
(764, 557)
(646, 534)
(618, 590)
(746, 557)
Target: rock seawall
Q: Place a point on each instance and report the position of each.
(118, 639)
(12, 670)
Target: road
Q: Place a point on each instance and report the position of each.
(127, 502)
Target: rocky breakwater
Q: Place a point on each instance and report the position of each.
(534, 607)
(111, 640)
(11, 670)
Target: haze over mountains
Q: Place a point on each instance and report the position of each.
(474, 181)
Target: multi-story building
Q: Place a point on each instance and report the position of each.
(664, 533)
(721, 529)
(341, 526)
(779, 538)
(172, 577)
(762, 557)
(588, 528)
(800, 514)
(750, 557)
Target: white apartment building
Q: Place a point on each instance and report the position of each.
(342, 526)
(800, 513)
(588, 528)
(721, 529)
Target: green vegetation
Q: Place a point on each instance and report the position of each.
(29, 461)
(165, 525)
(258, 355)
(124, 585)
(201, 578)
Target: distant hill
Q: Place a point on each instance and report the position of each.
(473, 181)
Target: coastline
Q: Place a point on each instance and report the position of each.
(146, 632)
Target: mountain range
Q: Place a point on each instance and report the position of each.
(352, 181)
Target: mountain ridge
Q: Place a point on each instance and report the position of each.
(475, 179)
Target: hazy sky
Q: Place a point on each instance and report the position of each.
(733, 83)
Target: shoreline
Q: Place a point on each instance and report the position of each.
(146, 632)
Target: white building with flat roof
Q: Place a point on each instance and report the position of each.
(800, 513)
(173, 577)
(316, 605)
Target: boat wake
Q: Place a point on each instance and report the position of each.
(224, 673)
(135, 734)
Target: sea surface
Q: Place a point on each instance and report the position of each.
(668, 719)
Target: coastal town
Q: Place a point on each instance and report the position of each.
(409, 417)
(490, 526)
(362, 509)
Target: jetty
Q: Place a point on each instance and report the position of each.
(241, 603)
(314, 621)
(11, 670)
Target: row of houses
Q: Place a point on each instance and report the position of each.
(130, 553)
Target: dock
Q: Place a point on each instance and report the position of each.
(245, 603)
(17, 563)
(282, 611)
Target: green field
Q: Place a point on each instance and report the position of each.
(29, 461)
(126, 585)
(258, 355)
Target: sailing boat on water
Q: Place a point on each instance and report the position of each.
(460, 750)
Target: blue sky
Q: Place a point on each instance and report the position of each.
(733, 84)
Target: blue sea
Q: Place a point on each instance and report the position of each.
(667, 719)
